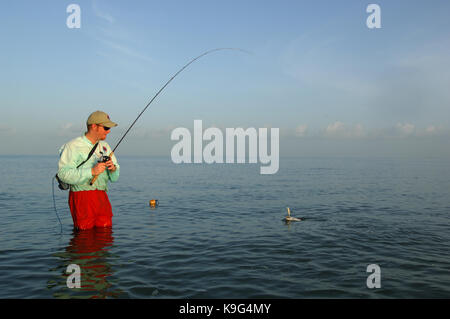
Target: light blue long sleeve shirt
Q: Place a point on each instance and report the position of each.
(75, 152)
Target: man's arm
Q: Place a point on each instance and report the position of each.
(67, 168)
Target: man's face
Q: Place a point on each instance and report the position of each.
(101, 131)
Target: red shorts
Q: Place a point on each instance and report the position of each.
(90, 209)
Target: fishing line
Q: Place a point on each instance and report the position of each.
(167, 83)
(160, 90)
(54, 202)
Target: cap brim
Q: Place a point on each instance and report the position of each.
(109, 124)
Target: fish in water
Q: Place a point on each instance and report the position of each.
(288, 218)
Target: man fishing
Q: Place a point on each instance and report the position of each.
(84, 165)
(89, 204)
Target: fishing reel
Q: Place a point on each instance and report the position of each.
(104, 159)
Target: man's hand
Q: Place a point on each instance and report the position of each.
(98, 169)
(110, 165)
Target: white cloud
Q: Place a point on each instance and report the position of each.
(115, 37)
(66, 126)
(336, 127)
(126, 50)
(145, 133)
(101, 14)
(432, 131)
(69, 129)
(406, 129)
(320, 61)
(6, 130)
(341, 130)
(301, 130)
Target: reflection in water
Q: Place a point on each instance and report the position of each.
(89, 249)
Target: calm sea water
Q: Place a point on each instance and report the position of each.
(218, 231)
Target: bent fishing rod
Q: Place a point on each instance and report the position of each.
(107, 158)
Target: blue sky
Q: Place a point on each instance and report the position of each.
(332, 85)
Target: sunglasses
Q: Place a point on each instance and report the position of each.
(106, 128)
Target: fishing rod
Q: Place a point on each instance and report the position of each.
(107, 158)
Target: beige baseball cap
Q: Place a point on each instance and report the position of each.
(99, 117)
